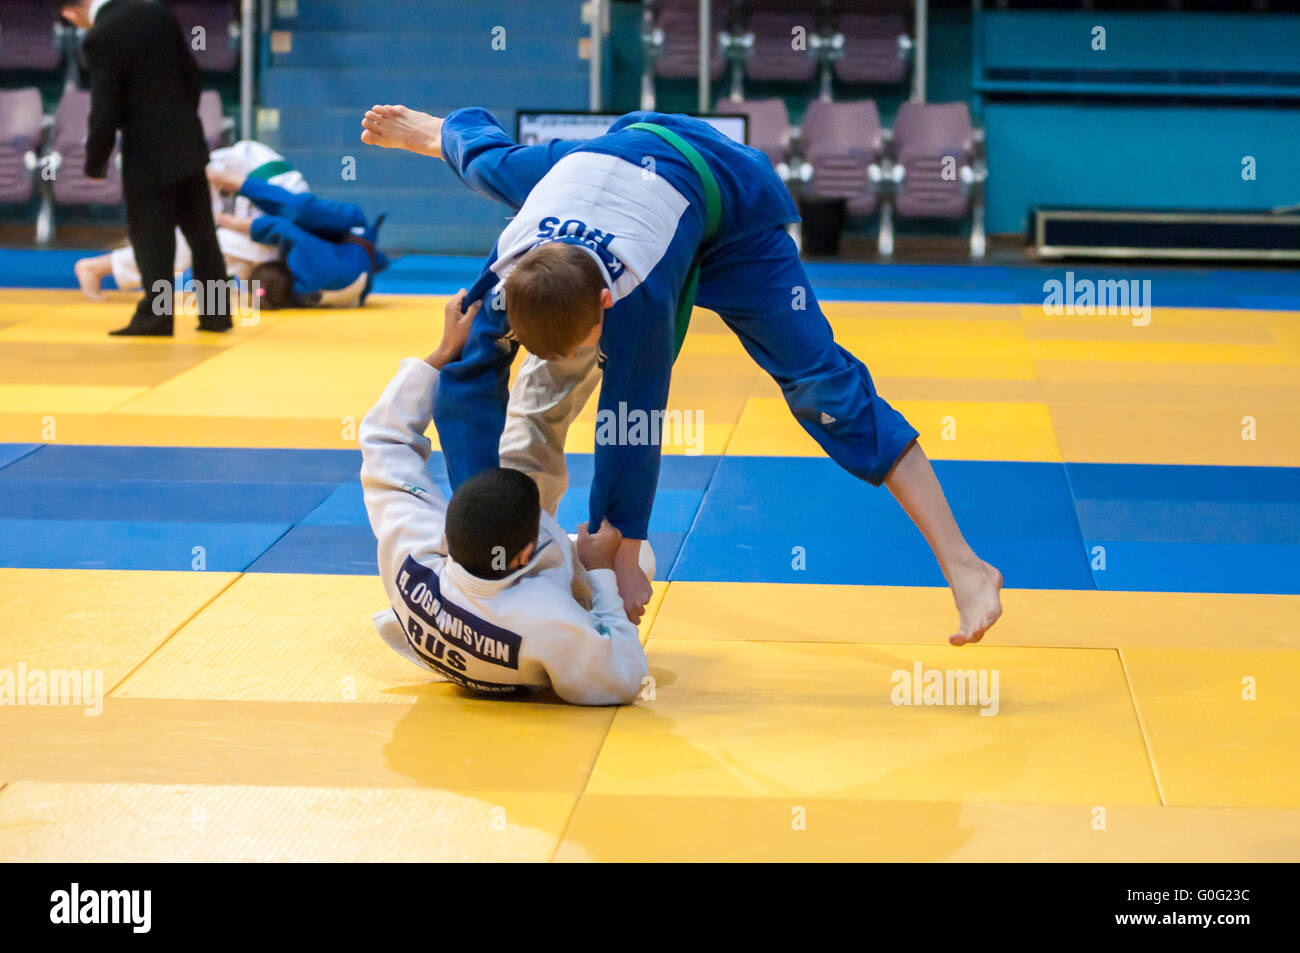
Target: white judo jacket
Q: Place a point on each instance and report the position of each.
(503, 637)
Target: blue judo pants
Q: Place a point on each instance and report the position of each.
(758, 286)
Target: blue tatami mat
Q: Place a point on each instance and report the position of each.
(329, 550)
(103, 544)
(1190, 528)
(1182, 287)
(335, 537)
(770, 519)
(195, 464)
(162, 501)
(12, 452)
(350, 550)
(774, 519)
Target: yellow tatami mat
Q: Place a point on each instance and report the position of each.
(89, 823)
(1223, 725)
(981, 381)
(1068, 618)
(276, 637)
(107, 621)
(685, 828)
(949, 429)
(447, 740)
(258, 716)
(800, 719)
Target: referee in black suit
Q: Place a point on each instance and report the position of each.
(145, 82)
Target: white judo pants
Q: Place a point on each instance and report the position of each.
(241, 254)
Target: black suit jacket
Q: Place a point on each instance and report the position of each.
(145, 82)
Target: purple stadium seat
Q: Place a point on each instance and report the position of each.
(841, 7)
(933, 142)
(769, 125)
(28, 40)
(843, 141)
(216, 17)
(20, 137)
(676, 34)
(772, 24)
(873, 49)
(212, 117)
(71, 187)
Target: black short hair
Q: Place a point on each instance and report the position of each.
(275, 281)
(491, 517)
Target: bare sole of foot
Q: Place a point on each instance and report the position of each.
(397, 127)
(978, 594)
(89, 282)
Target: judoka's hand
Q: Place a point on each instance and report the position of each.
(633, 586)
(598, 552)
(233, 222)
(397, 127)
(224, 181)
(455, 331)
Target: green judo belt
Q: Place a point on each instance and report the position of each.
(269, 170)
(713, 213)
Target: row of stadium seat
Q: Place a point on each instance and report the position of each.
(49, 152)
(858, 41)
(930, 165)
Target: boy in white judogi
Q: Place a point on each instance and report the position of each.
(485, 587)
(244, 159)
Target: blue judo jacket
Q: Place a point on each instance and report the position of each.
(638, 205)
(312, 232)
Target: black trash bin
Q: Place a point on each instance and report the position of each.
(823, 223)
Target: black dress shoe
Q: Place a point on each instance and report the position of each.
(134, 330)
(215, 324)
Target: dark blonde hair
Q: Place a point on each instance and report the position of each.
(553, 299)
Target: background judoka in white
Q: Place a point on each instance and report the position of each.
(242, 254)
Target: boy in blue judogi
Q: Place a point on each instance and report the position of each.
(328, 253)
(613, 240)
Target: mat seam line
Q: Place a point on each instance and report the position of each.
(35, 448)
(568, 821)
(1056, 440)
(1137, 713)
(172, 634)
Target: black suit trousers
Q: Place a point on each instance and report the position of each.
(153, 216)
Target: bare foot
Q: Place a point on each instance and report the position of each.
(977, 591)
(397, 127)
(89, 279)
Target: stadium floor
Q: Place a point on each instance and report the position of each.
(1138, 486)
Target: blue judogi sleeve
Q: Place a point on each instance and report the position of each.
(485, 158)
(637, 368)
(470, 407)
(320, 216)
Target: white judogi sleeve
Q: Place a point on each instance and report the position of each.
(589, 657)
(407, 512)
(595, 659)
